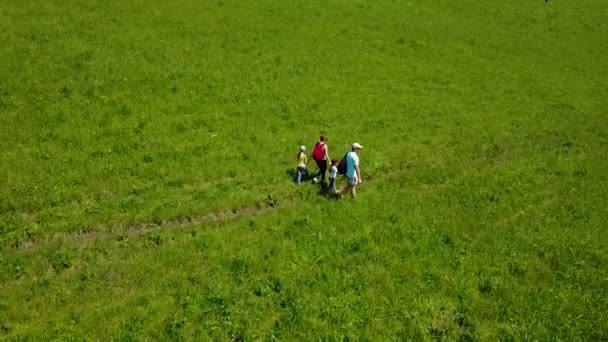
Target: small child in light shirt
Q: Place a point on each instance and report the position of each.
(302, 162)
(333, 173)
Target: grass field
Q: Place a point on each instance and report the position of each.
(484, 207)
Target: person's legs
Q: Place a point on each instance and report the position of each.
(323, 169)
(351, 184)
(344, 190)
(301, 171)
(322, 166)
(332, 184)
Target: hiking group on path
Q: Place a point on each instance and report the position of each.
(347, 166)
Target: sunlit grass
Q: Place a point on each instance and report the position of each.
(482, 214)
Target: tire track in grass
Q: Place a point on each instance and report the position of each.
(139, 229)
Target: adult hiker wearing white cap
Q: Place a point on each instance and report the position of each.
(353, 172)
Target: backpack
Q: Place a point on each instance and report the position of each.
(317, 153)
(342, 165)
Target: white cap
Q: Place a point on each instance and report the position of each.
(303, 148)
(357, 145)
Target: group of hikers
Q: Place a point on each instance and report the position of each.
(347, 166)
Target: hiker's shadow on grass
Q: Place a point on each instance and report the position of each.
(323, 188)
(306, 177)
(326, 192)
(291, 173)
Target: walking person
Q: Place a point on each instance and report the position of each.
(302, 163)
(333, 173)
(321, 157)
(353, 172)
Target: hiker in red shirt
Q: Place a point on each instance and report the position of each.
(321, 157)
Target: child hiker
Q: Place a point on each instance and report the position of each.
(333, 173)
(302, 162)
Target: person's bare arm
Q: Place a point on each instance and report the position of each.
(326, 153)
(358, 174)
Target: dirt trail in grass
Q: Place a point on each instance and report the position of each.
(143, 228)
(134, 230)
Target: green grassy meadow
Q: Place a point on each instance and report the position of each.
(482, 215)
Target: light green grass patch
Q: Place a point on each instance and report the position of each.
(482, 215)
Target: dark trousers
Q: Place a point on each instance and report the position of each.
(322, 165)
